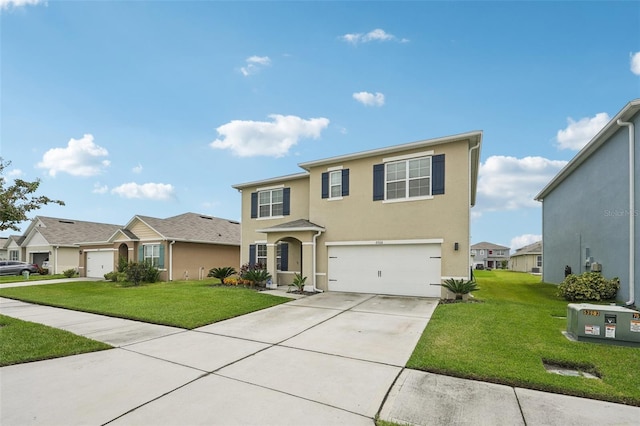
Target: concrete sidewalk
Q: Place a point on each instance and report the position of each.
(329, 359)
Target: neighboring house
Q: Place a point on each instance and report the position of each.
(181, 247)
(489, 255)
(12, 249)
(52, 243)
(527, 259)
(3, 250)
(590, 208)
(393, 220)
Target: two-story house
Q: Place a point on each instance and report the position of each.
(392, 220)
(489, 256)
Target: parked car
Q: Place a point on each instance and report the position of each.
(12, 267)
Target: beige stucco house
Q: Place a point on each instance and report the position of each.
(392, 220)
(182, 247)
(527, 259)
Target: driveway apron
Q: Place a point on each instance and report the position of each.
(326, 359)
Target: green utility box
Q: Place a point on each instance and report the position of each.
(603, 324)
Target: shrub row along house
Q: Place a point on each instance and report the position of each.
(590, 208)
(393, 220)
(181, 247)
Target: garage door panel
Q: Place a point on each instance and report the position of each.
(410, 269)
(99, 263)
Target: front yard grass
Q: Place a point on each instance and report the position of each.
(513, 328)
(32, 277)
(22, 341)
(185, 304)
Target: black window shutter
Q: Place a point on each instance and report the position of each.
(325, 185)
(437, 174)
(345, 182)
(252, 254)
(286, 201)
(378, 182)
(254, 205)
(284, 257)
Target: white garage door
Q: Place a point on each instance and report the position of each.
(398, 269)
(99, 263)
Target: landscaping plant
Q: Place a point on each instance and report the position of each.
(588, 286)
(299, 281)
(460, 287)
(69, 273)
(222, 273)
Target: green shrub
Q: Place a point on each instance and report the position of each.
(111, 276)
(588, 286)
(135, 273)
(69, 273)
(299, 281)
(257, 276)
(460, 287)
(122, 264)
(221, 273)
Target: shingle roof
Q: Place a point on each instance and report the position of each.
(196, 227)
(535, 248)
(489, 246)
(295, 225)
(68, 232)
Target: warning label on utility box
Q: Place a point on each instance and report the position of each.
(592, 330)
(635, 326)
(610, 331)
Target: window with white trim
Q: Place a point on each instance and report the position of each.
(539, 261)
(408, 178)
(261, 254)
(270, 203)
(335, 184)
(14, 255)
(151, 254)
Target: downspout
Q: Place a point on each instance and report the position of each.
(632, 212)
(171, 260)
(476, 146)
(55, 254)
(313, 279)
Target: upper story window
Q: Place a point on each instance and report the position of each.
(270, 203)
(473, 252)
(409, 177)
(335, 183)
(482, 252)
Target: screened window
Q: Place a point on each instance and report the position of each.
(270, 203)
(408, 178)
(13, 255)
(335, 184)
(152, 254)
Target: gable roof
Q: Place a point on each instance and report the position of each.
(296, 225)
(487, 246)
(598, 140)
(68, 232)
(192, 227)
(535, 248)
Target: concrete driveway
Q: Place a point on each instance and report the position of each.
(326, 359)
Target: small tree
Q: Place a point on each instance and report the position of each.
(17, 200)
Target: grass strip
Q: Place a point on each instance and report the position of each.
(23, 341)
(515, 325)
(185, 304)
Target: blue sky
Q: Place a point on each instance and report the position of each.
(157, 107)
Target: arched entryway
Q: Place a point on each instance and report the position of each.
(123, 254)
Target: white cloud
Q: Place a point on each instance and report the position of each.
(524, 240)
(15, 173)
(509, 183)
(137, 169)
(635, 63)
(255, 64)
(578, 133)
(12, 4)
(100, 189)
(369, 99)
(272, 139)
(375, 35)
(149, 191)
(81, 157)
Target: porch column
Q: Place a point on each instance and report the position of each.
(307, 265)
(272, 263)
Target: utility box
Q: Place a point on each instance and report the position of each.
(615, 325)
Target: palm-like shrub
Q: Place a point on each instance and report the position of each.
(460, 287)
(222, 273)
(257, 276)
(299, 281)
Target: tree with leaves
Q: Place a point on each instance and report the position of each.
(17, 200)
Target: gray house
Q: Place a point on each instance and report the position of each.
(589, 210)
(527, 259)
(489, 255)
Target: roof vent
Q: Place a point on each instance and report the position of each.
(67, 221)
(206, 217)
(234, 222)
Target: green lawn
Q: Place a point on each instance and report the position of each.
(22, 341)
(515, 326)
(185, 304)
(19, 278)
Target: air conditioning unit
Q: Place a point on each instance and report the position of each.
(596, 267)
(603, 324)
